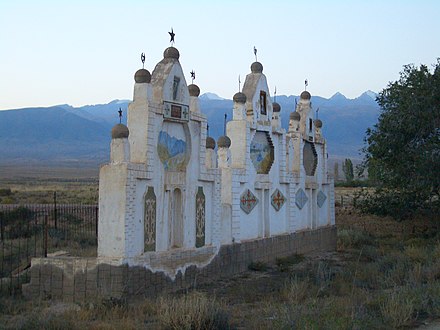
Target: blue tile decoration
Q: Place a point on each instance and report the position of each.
(172, 152)
(262, 152)
(300, 198)
(321, 198)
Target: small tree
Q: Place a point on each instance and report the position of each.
(347, 168)
(403, 149)
(336, 171)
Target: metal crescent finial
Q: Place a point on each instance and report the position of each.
(143, 59)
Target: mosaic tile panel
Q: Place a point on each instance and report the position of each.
(262, 152)
(248, 201)
(172, 148)
(200, 217)
(150, 220)
(300, 198)
(277, 199)
(320, 199)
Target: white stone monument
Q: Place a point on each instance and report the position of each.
(175, 212)
(166, 189)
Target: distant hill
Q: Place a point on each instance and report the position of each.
(67, 134)
(54, 134)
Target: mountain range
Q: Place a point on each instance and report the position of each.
(81, 135)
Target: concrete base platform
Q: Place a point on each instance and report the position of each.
(80, 279)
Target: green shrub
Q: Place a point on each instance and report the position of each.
(257, 266)
(283, 263)
(20, 222)
(5, 192)
(353, 239)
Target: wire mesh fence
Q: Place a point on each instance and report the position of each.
(39, 230)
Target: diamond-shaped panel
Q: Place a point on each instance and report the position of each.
(300, 198)
(321, 198)
(277, 199)
(248, 201)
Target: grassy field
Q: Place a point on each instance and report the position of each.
(41, 191)
(384, 275)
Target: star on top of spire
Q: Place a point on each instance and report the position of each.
(172, 34)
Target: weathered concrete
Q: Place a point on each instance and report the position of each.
(79, 279)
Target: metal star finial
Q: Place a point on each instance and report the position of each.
(306, 83)
(317, 113)
(239, 83)
(120, 115)
(172, 34)
(255, 53)
(275, 94)
(193, 76)
(143, 59)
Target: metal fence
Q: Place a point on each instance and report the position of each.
(39, 230)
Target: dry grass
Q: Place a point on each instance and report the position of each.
(41, 190)
(384, 275)
(194, 311)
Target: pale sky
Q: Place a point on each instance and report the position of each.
(86, 52)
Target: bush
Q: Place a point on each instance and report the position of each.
(257, 266)
(284, 262)
(353, 239)
(397, 308)
(295, 291)
(21, 223)
(193, 311)
(400, 206)
(416, 253)
(5, 192)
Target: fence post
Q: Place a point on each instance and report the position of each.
(45, 236)
(96, 221)
(55, 209)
